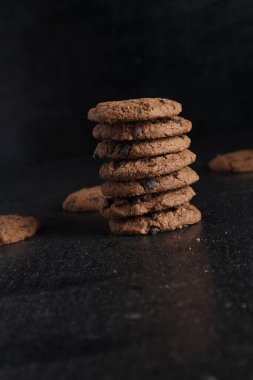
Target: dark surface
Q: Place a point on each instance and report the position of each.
(78, 303)
(59, 58)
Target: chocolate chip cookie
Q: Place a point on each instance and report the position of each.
(86, 199)
(239, 161)
(181, 178)
(146, 167)
(125, 207)
(156, 222)
(132, 150)
(134, 109)
(15, 228)
(144, 130)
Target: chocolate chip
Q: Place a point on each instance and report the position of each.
(151, 215)
(137, 131)
(148, 184)
(175, 175)
(125, 150)
(145, 197)
(125, 201)
(111, 146)
(163, 101)
(120, 201)
(154, 230)
(175, 121)
(107, 203)
(150, 162)
(116, 164)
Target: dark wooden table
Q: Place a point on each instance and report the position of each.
(78, 303)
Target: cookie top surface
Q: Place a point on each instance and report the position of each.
(15, 228)
(114, 150)
(146, 167)
(86, 199)
(144, 130)
(181, 178)
(239, 161)
(134, 109)
(156, 222)
(125, 207)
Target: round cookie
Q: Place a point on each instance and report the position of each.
(86, 199)
(15, 228)
(134, 109)
(145, 130)
(133, 150)
(125, 207)
(156, 222)
(239, 161)
(146, 167)
(183, 177)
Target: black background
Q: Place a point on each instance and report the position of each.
(58, 58)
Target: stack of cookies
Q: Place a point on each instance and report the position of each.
(147, 174)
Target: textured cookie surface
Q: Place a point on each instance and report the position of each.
(239, 161)
(146, 167)
(14, 228)
(86, 199)
(125, 207)
(156, 222)
(134, 109)
(183, 177)
(145, 130)
(132, 150)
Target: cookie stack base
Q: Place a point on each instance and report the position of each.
(154, 223)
